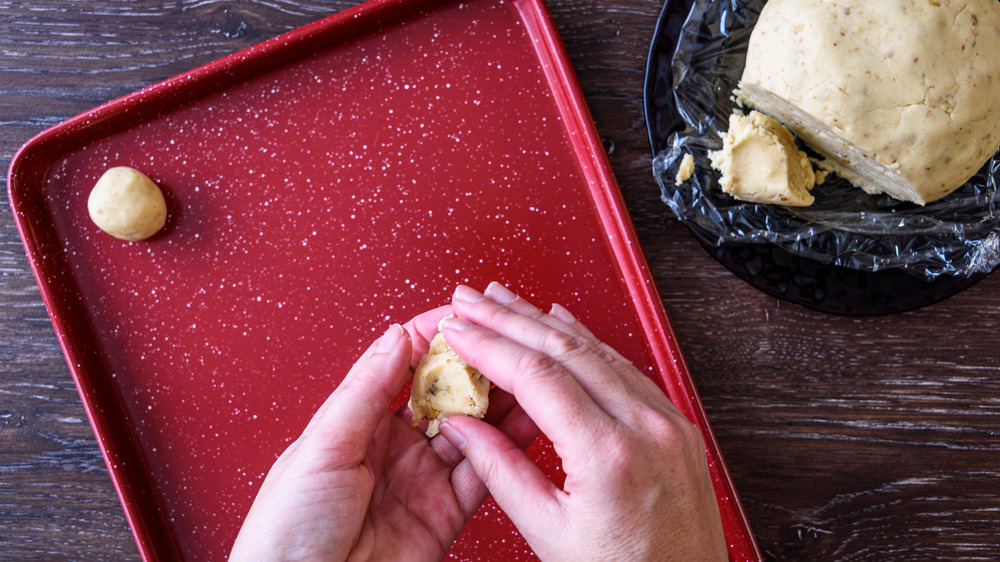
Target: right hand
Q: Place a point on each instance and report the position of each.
(637, 482)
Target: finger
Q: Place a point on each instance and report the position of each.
(579, 356)
(470, 490)
(501, 403)
(559, 318)
(622, 364)
(544, 388)
(362, 400)
(521, 488)
(526, 324)
(571, 323)
(644, 385)
(422, 329)
(505, 297)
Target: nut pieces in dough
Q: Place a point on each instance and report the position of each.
(445, 385)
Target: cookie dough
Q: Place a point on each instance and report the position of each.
(901, 97)
(761, 164)
(685, 170)
(445, 385)
(126, 204)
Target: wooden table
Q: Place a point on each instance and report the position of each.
(847, 438)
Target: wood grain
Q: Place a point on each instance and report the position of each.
(848, 439)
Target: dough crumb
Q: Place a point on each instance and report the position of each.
(445, 385)
(126, 204)
(760, 163)
(686, 169)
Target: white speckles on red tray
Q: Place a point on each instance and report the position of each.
(309, 206)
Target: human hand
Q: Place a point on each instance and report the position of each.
(637, 483)
(361, 483)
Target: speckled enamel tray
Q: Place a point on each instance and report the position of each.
(322, 185)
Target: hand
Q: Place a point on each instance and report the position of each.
(637, 482)
(361, 483)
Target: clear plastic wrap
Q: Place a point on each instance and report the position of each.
(956, 235)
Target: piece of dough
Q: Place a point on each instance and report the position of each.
(126, 204)
(900, 96)
(445, 385)
(685, 170)
(761, 164)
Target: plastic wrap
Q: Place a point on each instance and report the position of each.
(956, 235)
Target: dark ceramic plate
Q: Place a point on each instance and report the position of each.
(805, 277)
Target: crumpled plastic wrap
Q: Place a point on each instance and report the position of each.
(956, 235)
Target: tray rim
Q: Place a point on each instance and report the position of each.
(355, 21)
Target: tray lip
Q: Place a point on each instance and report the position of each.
(612, 212)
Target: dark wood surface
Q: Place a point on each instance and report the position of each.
(847, 438)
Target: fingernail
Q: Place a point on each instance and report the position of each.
(455, 323)
(500, 294)
(389, 340)
(560, 312)
(453, 435)
(468, 294)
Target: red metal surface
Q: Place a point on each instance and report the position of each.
(322, 185)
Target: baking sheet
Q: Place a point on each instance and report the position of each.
(321, 186)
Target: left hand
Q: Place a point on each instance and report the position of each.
(361, 482)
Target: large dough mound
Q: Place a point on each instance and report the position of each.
(902, 97)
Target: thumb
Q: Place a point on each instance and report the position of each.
(519, 487)
(355, 409)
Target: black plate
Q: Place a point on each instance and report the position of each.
(769, 267)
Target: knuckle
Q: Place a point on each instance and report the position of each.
(564, 346)
(499, 314)
(673, 430)
(491, 473)
(619, 452)
(538, 365)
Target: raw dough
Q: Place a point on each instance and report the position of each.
(126, 204)
(761, 164)
(685, 171)
(445, 385)
(900, 96)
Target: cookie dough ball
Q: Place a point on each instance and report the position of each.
(900, 96)
(126, 204)
(445, 385)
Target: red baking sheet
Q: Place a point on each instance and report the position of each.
(322, 185)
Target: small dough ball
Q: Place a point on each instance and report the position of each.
(445, 385)
(126, 204)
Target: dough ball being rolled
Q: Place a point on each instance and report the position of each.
(900, 96)
(126, 204)
(445, 385)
